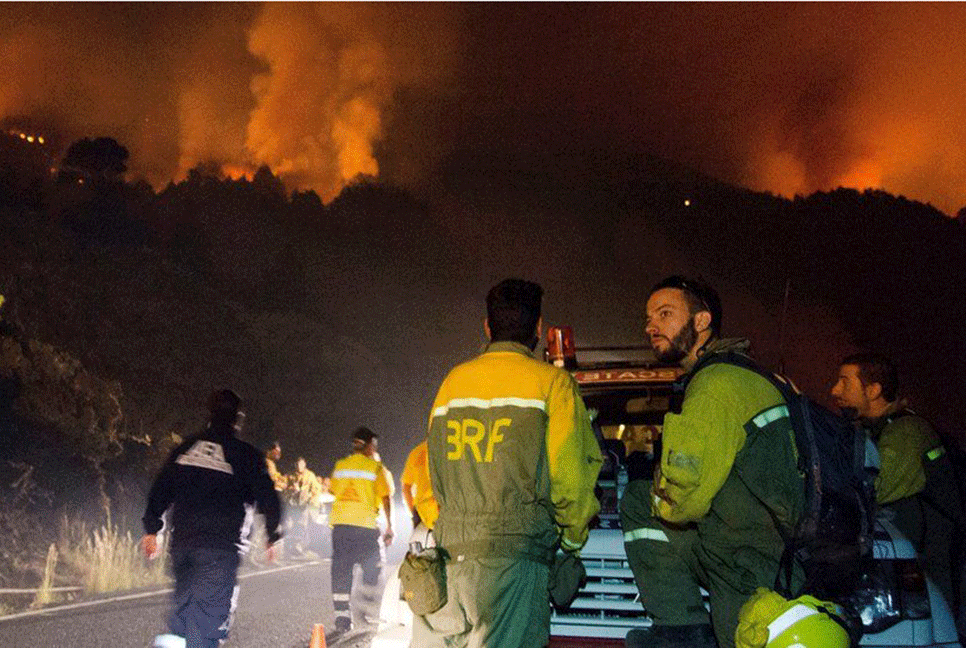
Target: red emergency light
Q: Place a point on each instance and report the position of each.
(561, 348)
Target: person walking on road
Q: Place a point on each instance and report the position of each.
(272, 458)
(513, 463)
(212, 482)
(359, 486)
(304, 497)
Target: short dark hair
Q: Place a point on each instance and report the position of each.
(224, 406)
(513, 310)
(364, 434)
(876, 368)
(699, 296)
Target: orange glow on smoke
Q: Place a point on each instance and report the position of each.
(864, 174)
(783, 97)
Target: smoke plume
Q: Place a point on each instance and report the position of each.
(790, 98)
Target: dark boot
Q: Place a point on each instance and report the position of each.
(668, 636)
(342, 627)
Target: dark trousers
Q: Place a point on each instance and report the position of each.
(204, 596)
(351, 546)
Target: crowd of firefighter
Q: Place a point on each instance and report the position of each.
(757, 505)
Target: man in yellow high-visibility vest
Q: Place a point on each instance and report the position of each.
(359, 486)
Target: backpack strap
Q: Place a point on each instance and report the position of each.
(786, 563)
(733, 358)
(800, 415)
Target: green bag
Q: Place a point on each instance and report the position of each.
(422, 578)
(567, 576)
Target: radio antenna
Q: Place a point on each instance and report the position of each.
(781, 329)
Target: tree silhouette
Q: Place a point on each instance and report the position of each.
(96, 160)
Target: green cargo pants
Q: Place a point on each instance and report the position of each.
(671, 563)
(491, 603)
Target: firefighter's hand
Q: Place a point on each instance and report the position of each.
(658, 488)
(271, 553)
(149, 545)
(663, 495)
(388, 536)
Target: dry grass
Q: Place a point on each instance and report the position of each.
(105, 559)
(45, 595)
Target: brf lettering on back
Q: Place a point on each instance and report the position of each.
(470, 433)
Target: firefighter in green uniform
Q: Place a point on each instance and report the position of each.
(513, 463)
(916, 487)
(701, 522)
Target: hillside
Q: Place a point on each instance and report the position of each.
(126, 306)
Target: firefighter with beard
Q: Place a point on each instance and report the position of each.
(513, 463)
(698, 524)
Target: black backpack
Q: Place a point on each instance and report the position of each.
(833, 538)
(945, 493)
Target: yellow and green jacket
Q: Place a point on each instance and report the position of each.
(279, 480)
(358, 485)
(416, 474)
(903, 439)
(713, 476)
(305, 488)
(512, 457)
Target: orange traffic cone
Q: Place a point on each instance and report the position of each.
(318, 636)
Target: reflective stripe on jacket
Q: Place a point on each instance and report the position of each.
(700, 444)
(358, 485)
(512, 457)
(902, 442)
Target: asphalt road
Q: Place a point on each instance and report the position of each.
(277, 607)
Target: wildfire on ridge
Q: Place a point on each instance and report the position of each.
(234, 171)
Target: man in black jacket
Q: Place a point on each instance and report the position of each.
(212, 480)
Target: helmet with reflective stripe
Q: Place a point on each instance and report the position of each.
(768, 620)
(804, 626)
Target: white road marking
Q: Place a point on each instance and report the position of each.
(34, 590)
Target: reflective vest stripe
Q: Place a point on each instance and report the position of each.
(645, 534)
(790, 617)
(480, 403)
(770, 416)
(354, 474)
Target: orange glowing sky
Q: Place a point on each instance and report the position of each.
(788, 98)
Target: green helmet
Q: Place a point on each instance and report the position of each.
(806, 625)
